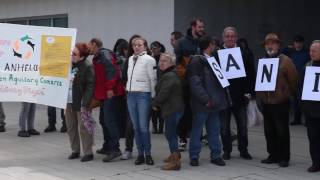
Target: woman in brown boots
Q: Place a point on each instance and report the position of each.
(169, 100)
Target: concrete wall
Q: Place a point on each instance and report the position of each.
(253, 18)
(107, 19)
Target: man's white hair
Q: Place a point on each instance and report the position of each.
(230, 28)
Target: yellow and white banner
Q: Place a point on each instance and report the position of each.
(35, 64)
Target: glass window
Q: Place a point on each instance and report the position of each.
(50, 21)
(23, 22)
(40, 22)
(60, 22)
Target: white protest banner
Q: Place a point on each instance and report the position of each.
(218, 72)
(311, 84)
(267, 74)
(35, 64)
(232, 63)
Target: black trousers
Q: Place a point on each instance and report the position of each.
(313, 128)
(276, 129)
(185, 123)
(156, 117)
(241, 119)
(52, 117)
(297, 108)
(106, 134)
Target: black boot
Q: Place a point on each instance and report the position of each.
(34, 132)
(86, 158)
(149, 160)
(2, 128)
(161, 124)
(63, 127)
(140, 160)
(154, 129)
(50, 128)
(23, 133)
(74, 155)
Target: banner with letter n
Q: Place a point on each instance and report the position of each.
(218, 72)
(35, 64)
(232, 63)
(311, 84)
(267, 73)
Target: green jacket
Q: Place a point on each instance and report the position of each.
(83, 85)
(169, 95)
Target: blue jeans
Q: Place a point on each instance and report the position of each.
(171, 123)
(212, 122)
(139, 106)
(110, 120)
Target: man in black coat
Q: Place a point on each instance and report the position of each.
(241, 89)
(312, 114)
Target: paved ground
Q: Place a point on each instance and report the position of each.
(44, 157)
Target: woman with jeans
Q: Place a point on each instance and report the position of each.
(170, 101)
(140, 87)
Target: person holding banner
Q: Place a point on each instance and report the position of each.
(140, 87)
(81, 129)
(52, 119)
(208, 99)
(26, 120)
(108, 90)
(275, 104)
(2, 118)
(241, 89)
(311, 109)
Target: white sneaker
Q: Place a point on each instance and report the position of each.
(182, 145)
(126, 155)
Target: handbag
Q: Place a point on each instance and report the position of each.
(255, 117)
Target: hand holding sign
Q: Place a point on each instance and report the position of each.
(232, 63)
(267, 74)
(218, 72)
(311, 84)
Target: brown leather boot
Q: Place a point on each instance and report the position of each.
(168, 159)
(174, 164)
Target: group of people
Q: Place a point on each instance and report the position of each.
(182, 94)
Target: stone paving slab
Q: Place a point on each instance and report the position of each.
(44, 157)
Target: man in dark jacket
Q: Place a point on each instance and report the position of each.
(311, 111)
(275, 104)
(185, 47)
(108, 89)
(299, 56)
(208, 98)
(241, 89)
